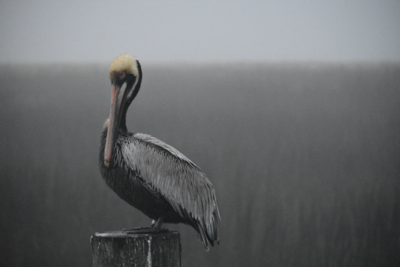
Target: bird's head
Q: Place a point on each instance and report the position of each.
(122, 66)
(125, 77)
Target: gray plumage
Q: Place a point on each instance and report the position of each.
(153, 176)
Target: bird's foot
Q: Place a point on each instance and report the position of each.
(144, 230)
(154, 228)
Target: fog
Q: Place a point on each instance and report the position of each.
(304, 158)
(98, 31)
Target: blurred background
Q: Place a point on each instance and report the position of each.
(292, 109)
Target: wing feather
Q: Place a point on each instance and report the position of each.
(183, 184)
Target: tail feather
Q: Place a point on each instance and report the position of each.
(208, 232)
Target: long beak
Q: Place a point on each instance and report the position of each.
(112, 125)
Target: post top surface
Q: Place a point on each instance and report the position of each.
(124, 234)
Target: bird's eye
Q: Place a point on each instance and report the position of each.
(122, 75)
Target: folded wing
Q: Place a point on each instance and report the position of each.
(183, 184)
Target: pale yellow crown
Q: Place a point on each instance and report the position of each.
(124, 62)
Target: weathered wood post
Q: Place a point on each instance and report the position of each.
(117, 248)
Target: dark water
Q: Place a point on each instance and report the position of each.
(305, 159)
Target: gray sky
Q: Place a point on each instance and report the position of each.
(98, 31)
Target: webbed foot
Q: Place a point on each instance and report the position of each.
(154, 228)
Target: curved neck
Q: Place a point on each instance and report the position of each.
(135, 83)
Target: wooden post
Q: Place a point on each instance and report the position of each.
(117, 248)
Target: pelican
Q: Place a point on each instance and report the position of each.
(149, 174)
